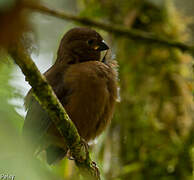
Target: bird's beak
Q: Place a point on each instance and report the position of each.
(101, 46)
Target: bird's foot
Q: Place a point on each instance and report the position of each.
(85, 148)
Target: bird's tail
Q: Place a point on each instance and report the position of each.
(55, 154)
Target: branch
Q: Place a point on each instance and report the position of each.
(117, 30)
(48, 100)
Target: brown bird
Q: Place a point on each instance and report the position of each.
(85, 86)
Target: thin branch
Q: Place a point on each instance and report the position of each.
(117, 30)
(48, 100)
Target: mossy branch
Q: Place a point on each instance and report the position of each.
(134, 34)
(48, 100)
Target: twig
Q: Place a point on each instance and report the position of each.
(117, 30)
(48, 100)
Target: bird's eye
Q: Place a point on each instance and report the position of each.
(90, 42)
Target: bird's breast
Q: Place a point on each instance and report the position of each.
(93, 97)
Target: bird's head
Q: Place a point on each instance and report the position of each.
(80, 45)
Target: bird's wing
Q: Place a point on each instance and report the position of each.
(37, 120)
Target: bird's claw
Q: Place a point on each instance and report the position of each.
(69, 156)
(86, 146)
(97, 172)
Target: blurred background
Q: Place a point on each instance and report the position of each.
(152, 133)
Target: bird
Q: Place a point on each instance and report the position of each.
(85, 85)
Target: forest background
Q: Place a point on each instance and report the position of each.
(152, 132)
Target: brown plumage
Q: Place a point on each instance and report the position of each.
(85, 86)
